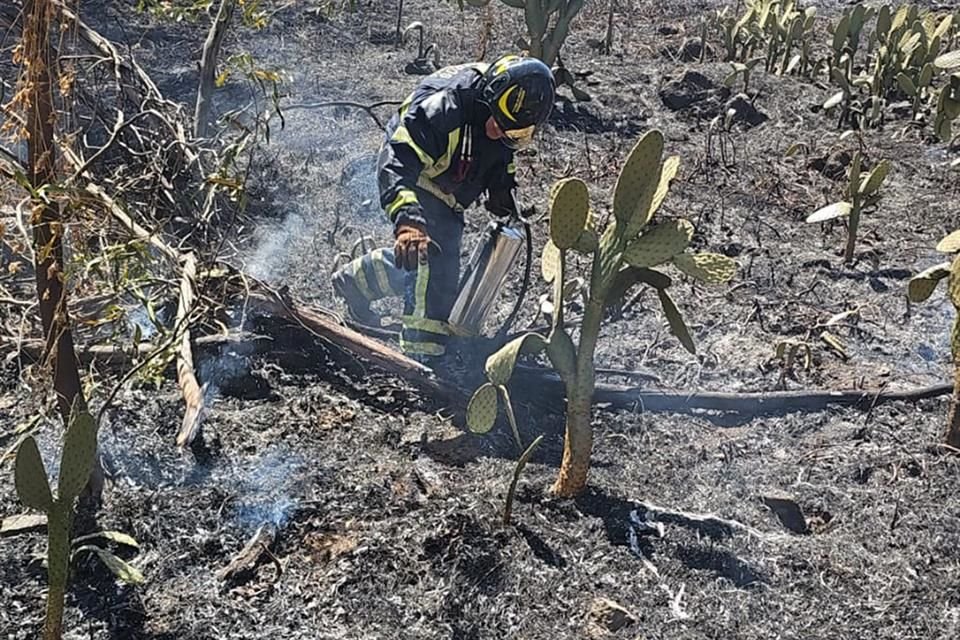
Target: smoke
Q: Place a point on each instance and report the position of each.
(269, 259)
(268, 487)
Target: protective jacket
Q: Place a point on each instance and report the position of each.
(437, 143)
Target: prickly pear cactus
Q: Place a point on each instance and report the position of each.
(659, 244)
(711, 268)
(33, 489)
(500, 365)
(638, 181)
(569, 208)
(30, 477)
(482, 410)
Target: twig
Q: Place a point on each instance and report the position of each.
(186, 375)
(345, 103)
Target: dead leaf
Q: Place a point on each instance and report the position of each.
(327, 547)
(22, 523)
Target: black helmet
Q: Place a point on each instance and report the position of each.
(520, 93)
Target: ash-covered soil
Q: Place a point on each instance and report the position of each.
(382, 515)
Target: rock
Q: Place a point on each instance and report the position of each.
(692, 88)
(689, 51)
(668, 30)
(833, 166)
(606, 618)
(788, 512)
(744, 112)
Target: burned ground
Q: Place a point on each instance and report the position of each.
(383, 514)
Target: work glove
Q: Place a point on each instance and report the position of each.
(412, 245)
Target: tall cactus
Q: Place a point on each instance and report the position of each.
(548, 23)
(33, 488)
(922, 287)
(625, 254)
(862, 192)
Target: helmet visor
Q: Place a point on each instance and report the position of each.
(519, 138)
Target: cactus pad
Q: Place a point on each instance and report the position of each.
(58, 536)
(569, 207)
(500, 364)
(950, 244)
(482, 410)
(659, 244)
(711, 268)
(638, 178)
(953, 284)
(924, 283)
(948, 60)
(30, 477)
(677, 326)
(550, 261)
(79, 455)
(562, 353)
(829, 212)
(587, 243)
(875, 178)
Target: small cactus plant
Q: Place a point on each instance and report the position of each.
(922, 287)
(33, 489)
(628, 252)
(548, 23)
(862, 193)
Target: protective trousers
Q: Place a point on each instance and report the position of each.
(429, 292)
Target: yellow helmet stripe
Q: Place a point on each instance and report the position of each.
(502, 103)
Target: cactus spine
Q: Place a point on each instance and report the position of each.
(623, 255)
(33, 489)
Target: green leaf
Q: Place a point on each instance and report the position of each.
(711, 268)
(30, 477)
(78, 457)
(482, 409)
(835, 210)
(677, 326)
(924, 283)
(500, 365)
(875, 178)
(123, 570)
(114, 536)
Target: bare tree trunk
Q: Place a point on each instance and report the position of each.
(208, 67)
(47, 224)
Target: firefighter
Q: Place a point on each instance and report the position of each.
(452, 140)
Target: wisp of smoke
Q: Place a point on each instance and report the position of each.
(268, 487)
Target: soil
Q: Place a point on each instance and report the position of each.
(381, 514)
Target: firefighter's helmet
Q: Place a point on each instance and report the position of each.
(520, 94)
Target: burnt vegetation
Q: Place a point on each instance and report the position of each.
(195, 443)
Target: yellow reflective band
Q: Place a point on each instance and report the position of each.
(383, 282)
(403, 136)
(430, 187)
(502, 103)
(360, 279)
(503, 63)
(511, 168)
(429, 325)
(405, 196)
(422, 348)
(420, 291)
(406, 105)
(443, 163)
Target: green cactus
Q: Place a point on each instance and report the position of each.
(622, 255)
(33, 489)
(862, 192)
(921, 287)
